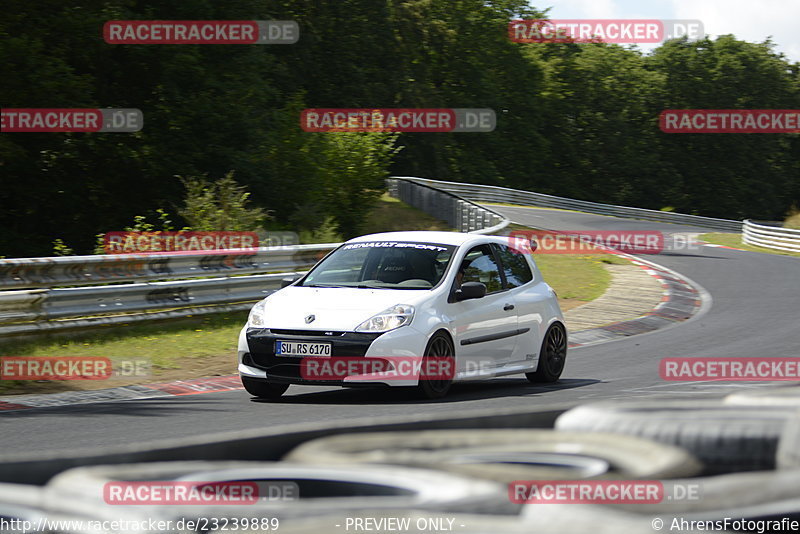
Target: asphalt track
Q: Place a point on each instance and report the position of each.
(753, 313)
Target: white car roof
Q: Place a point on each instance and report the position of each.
(444, 238)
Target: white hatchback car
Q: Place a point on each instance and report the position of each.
(385, 309)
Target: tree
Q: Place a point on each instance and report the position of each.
(356, 167)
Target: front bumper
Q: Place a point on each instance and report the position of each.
(257, 357)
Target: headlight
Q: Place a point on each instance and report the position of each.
(388, 319)
(256, 318)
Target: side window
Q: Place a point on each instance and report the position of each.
(515, 266)
(479, 266)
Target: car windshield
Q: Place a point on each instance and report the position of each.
(382, 265)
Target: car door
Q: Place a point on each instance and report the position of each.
(531, 296)
(486, 328)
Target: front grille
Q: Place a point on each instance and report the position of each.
(287, 368)
(309, 333)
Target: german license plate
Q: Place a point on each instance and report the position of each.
(301, 348)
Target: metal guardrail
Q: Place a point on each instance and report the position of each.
(463, 215)
(77, 307)
(21, 273)
(25, 311)
(490, 193)
(771, 235)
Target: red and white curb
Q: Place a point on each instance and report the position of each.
(682, 300)
(195, 386)
(714, 245)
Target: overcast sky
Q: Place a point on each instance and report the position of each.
(747, 20)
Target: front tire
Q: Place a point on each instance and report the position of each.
(552, 356)
(439, 347)
(258, 387)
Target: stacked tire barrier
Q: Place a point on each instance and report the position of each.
(507, 455)
(316, 490)
(726, 438)
(446, 475)
(748, 443)
(24, 509)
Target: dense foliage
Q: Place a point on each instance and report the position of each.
(577, 120)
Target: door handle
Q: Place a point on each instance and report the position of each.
(508, 307)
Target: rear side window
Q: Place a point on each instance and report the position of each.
(479, 266)
(515, 267)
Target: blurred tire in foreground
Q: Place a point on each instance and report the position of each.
(788, 456)
(506, 455)
(567, 521)
(726, 438)
(768, 396)
(753, 495)
(22, 512)
(317, 490)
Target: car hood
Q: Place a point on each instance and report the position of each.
(334, 308)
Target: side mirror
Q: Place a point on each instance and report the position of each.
(289, 280)
(470, 290)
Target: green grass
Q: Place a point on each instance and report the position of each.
(527, 206)
(573, 276)
(160, 343)
(167, 346)
(580, 277)
(735, 241)
(792, 221)
(392, 215)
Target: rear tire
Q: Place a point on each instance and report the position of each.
(438, 347)
(552, 356)
(258, 387)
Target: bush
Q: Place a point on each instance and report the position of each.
(219, 206)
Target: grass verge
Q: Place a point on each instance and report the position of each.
(392, 215)
(175, 350)
(792, 221)
(735, 241)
